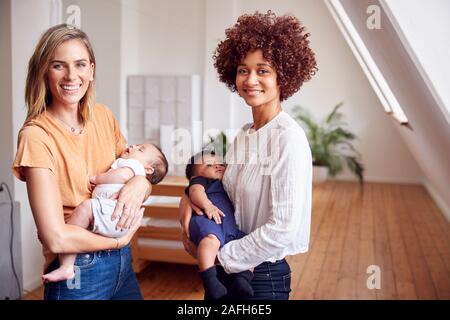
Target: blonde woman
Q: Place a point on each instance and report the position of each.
(65, 139)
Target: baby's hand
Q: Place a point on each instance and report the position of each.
(92, 183)
(212, 212)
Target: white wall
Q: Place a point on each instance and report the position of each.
(424, 35)
(6, 126)
(129, 52)
(101, 20)
(171, 36)
(217, 99)
(339, 78)
(160, 37)
(29, 19)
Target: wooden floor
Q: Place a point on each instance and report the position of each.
(395, 227)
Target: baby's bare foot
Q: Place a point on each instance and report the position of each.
(62, 273)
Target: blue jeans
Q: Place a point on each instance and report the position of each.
(101, 275)
(271, 281)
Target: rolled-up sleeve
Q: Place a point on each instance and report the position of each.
(33, 150)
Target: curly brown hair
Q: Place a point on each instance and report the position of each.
(283, 42)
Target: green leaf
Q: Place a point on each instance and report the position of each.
(330, 141)
(219, 144)
(356, 167)
(335, 115)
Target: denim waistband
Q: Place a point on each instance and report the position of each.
(111, 252)
(268, 265)
(272, 263)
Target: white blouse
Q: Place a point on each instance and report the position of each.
(269, 180)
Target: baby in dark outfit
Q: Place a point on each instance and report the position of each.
(215, 227)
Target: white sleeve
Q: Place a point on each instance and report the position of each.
(133, 164)
(290, 190)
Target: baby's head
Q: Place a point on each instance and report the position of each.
(205, 164)
(151, 157)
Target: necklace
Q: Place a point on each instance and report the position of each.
(72, 129)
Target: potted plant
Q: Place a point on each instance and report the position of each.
(331, 144)
(219, 144)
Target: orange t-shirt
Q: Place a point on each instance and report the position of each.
(45, 143)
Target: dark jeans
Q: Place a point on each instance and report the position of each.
(271, 281)
(101, 275)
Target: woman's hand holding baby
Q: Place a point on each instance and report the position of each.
(186, 207)
(123, 241)
(189, 246)
(129, 201)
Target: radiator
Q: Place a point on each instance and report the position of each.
(9, 288)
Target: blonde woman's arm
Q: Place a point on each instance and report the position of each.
(54, 233)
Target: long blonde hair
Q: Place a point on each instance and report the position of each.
(37, 93)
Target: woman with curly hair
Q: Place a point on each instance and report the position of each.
(265, 58)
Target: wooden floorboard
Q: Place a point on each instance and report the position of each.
(422, 278)
(395, 227)
(402, 274)
(382, 248)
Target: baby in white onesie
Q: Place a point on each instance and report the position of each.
(145, 160)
